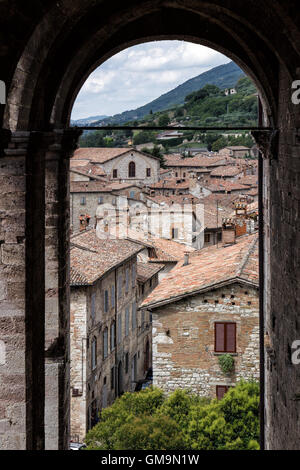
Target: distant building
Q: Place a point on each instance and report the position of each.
(235, 151)
(230, 91)
(121, 164)
(110, 338)
(207, 306)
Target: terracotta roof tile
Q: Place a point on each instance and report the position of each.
(169, 250)
(226, 171)
(99, 154)
(147, 270)
(208, 268)
(91, 257)
(197, 161)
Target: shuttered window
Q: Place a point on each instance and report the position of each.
(119, 331)
(112, 296)
(133, 275)
(112, 336)
(225, 337)
(127, 280)
(105, 343)
(133, 316)
(93, 306)
(94, 353)
(220, 391)
(126, 321)
(106, 301)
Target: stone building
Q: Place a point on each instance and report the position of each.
(110, 338)
(235, 151)
(207, 306)
(48, 49)
(122, 164)
(199, 164)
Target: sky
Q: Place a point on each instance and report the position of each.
(140, 74)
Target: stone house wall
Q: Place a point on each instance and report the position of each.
(142, 162)
(101, 384)
(183, 340)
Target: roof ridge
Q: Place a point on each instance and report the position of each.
(246, 256)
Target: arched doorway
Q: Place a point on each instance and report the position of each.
(44, 69)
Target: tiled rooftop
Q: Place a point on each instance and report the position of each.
(170, 183)
(197, 161)
(147, 270)
(99, 154)
(225, 171)
(209, 268)
(92, 257)
(169, 250)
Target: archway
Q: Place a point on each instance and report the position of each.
(44, 69)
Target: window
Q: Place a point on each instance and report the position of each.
(83, 201)
(94, 353)
(119, 330)
(148, 172)
(105, 343)
(112, 336)
(132, 194)
(143, 320)
(221, 390)
(100, 200)
(133, 316)
(106, 301)
(126, 321)
(225, 337)
(131, 170)
(93, 306)
(219, 236)
(112, 296)
(120, 285)
(112, 378)
(126, 363)
(133, 368)
(207, 237)
(115, 173)
(174, 232)
(133, 274)
(127, 281)
(184, 175)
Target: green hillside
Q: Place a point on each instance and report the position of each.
(223, 76)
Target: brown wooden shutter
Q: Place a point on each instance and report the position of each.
(231, 337)
(219, 337)
(220, 391)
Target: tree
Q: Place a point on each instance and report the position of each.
(150, 420)
(219, 144)
(163, 120)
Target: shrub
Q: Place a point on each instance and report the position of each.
(226, 363)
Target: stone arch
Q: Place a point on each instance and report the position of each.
(61, 52)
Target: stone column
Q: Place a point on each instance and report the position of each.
(57, 286)
(12, 290)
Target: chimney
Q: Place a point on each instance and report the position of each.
(228, 231)
(186, 259)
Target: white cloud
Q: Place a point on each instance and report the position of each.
(139, 74)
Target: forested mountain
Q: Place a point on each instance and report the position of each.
(223, 76)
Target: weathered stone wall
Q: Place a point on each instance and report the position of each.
(95, 384)
(12, 295)
(183, 340)
(282, 285)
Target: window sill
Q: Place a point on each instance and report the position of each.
(222, 353)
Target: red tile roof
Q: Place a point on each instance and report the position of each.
(170, 183)
(92, 257)
(226, 171)
(98, 154)
(207, 269)
(147, 270)
(169, 250)
(197, 161)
